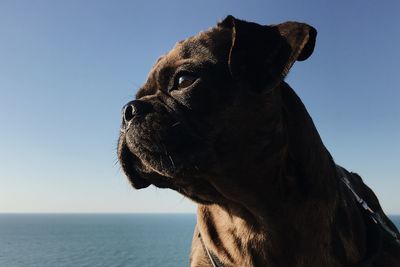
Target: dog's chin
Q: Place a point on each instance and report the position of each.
(128, 163)
(145, 171)
(140, 174)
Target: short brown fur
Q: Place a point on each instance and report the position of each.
(238, 141)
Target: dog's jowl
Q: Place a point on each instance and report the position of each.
(216, 122)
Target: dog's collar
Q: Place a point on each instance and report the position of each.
(215, 262)
(375, 226)
(374, 216)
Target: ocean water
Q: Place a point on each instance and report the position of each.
(93, 240)
(108, 240)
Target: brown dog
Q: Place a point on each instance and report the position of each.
(216, 122)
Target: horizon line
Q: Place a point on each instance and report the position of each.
(106, 212)
(117, 213)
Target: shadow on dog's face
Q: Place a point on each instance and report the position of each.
(208, 111)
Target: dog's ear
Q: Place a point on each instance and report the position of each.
(261, 56)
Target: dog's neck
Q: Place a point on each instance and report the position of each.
(274, 220)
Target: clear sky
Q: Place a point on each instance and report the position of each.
(67, 68)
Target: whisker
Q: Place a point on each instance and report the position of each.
(176, 124)
(169, 156)
(161, 163)
(173, 164)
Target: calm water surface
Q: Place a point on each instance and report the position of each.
(97, 240)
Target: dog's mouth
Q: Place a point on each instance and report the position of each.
(139, 172)
(128, 163)
(142, 173)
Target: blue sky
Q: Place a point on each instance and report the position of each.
(67, 68)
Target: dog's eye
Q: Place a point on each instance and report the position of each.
(185, 80)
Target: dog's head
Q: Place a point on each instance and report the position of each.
(208, 113)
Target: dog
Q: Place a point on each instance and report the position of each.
(216, 122)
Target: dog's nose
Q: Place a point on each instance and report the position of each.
(135, 108)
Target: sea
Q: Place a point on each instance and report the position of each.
(91, 240)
